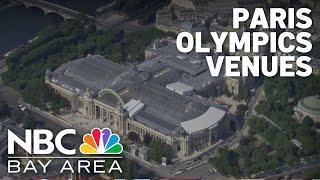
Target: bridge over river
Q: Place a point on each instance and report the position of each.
(49, 7)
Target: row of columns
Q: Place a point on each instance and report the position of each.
(94, 111)
(142, 131)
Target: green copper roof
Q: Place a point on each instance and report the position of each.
(310, 104)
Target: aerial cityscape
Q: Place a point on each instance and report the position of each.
(104, 81)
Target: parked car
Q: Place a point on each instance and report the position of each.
(22, 108)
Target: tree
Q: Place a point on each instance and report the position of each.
(273, 163)
(245, 140)
(263, 108)
(133, 7)
(279, 149)
(224, 89)
(244, 89)
(29, 122)
(307, 136)
(241, 110)
(134, 137)
(226, 162)
(271, 133)
(130, 170)
(307, 121)
(59, 45)
(259, 158)
(159, 149)
(147, 139)
(257, 125)
(284, 148)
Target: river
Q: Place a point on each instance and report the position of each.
(20, 24)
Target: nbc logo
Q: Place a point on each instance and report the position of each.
(42, 142)
(101, 141)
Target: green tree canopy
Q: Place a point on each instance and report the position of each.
(157, 150)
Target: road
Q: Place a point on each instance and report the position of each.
(12, 98)
(199, 166)
(56, 8)
(281, 172)
(203, 172)
(270, 121)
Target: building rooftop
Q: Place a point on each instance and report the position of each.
(210, 118)
(133, 107)
(92, 72)
(179, 87)
(142, 88)
(185, 62)
(310, 104)
(190, 69)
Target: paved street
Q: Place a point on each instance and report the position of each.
(10, 96)
(197, 167)
(202, 172)
(284, 171)
(194, 167)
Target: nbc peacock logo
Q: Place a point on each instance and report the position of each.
(101, 141)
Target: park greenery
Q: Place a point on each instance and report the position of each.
(134, 137)
(159, 149)
(17, 116)
(241, 110)
(129, 169)
(266, 147)
(156, 149)
(244, 89)
(68, 41)
(279, 92)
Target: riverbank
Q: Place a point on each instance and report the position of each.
(7, 6)
(3, 56)
(22, 24)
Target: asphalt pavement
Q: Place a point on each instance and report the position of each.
(197, 167)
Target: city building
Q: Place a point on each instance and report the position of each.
(309, 106)
(186, 4)
(233, 84)
(194, 16)
(177, 19)
(149, 98)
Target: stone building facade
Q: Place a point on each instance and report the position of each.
(309, 106)
(136, 100)
(180, 12)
